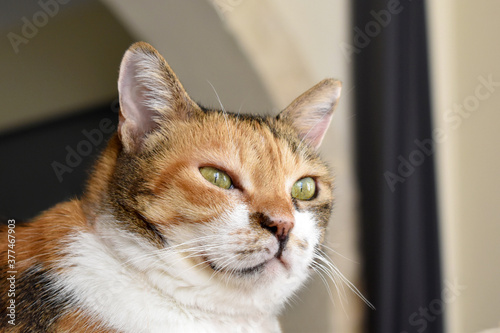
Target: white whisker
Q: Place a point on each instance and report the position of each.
(224, 112)
(338, 253)
(334, 271)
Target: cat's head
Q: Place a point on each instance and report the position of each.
(217, 198)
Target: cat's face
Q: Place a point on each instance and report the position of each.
(222, 198)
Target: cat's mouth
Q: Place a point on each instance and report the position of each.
(242, 271)
(247, 270)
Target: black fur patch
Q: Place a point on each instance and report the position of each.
(39, 302)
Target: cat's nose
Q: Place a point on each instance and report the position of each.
(279, 227)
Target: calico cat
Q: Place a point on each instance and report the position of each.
(193, 219)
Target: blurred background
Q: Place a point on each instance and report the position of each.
(413, 144)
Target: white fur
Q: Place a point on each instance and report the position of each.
(131, 286)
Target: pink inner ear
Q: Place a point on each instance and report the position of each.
(136, 117)
(311, 113)
(318, 129)
(135, 109)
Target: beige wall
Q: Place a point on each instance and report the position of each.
(465, 51)
(69, 64)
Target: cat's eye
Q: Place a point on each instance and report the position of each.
(304, 189)
(216, 177)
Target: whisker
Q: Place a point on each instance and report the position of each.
(339, 287)
(338, 253)
(171, 249)
(224, 112)
(241, 106)
(325, 260)
(333, 273)
(318, 269)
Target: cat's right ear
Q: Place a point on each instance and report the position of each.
(310, 113)
(150, 94)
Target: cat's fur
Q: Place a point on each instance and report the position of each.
(153, 246)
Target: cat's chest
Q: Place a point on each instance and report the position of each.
(127, 302)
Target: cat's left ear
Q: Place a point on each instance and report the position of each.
(310, 113)
(150, 93)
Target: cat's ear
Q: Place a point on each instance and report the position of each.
(310, 113)
(149, 93)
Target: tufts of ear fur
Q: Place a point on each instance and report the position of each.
(149, 94)
(310, 113)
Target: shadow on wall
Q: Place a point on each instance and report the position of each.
(49, 163)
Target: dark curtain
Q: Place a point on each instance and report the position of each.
(395, 166)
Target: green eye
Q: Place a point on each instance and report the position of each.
(216, 177)
(304, 188)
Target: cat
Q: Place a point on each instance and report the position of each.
(193, 219)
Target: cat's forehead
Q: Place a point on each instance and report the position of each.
(238, 139)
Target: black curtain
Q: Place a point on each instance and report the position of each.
(395, 166)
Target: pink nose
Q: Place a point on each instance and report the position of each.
(280, 228)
